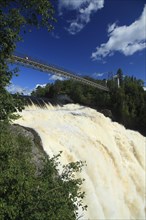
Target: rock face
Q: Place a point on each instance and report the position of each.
(107, 113)
(63, 99)
(115, 157)
(36, 143)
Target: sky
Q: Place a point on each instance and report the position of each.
(90, 37)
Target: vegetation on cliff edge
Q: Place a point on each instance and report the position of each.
(126, 100)
(29, 191)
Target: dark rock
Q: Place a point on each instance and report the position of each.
(38, 153)
(63, 99)
(107, 113)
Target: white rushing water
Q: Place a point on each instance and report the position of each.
(115, 157)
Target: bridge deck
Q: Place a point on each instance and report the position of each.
(55, 70)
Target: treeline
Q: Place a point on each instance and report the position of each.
(126, 100)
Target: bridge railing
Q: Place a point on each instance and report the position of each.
(25, 60)
(35, 59)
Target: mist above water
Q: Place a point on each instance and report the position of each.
(115, 157)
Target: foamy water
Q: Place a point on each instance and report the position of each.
(115, 157)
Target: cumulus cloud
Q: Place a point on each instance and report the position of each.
(124, 39)
(70, 4)
(18, 89)
(56, 77)
(84, 9)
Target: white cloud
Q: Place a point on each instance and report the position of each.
(84, 9)
(99, 74)
(111, 27)
(18, 89)
(96, 75)
(125, 39)
(41, 85)
(56, 77)
(75, 27)
(70, 4)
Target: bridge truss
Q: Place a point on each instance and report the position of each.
(47, 68)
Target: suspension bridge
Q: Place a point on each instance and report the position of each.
(53, 69)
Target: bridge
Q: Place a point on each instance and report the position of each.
(48, 68)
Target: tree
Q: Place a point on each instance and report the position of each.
(120, 76)
(41, 91)
(126, 103)
(25, 191)
(31, 188)
(15, 15)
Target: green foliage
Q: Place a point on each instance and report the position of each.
(120, 76)
(9, 104)
(41, 91)
(25, 192)
(28, 192)
(15, 15)
(127, 103)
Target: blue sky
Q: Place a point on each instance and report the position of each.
(91, 37)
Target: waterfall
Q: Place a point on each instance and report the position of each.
(115, 172)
